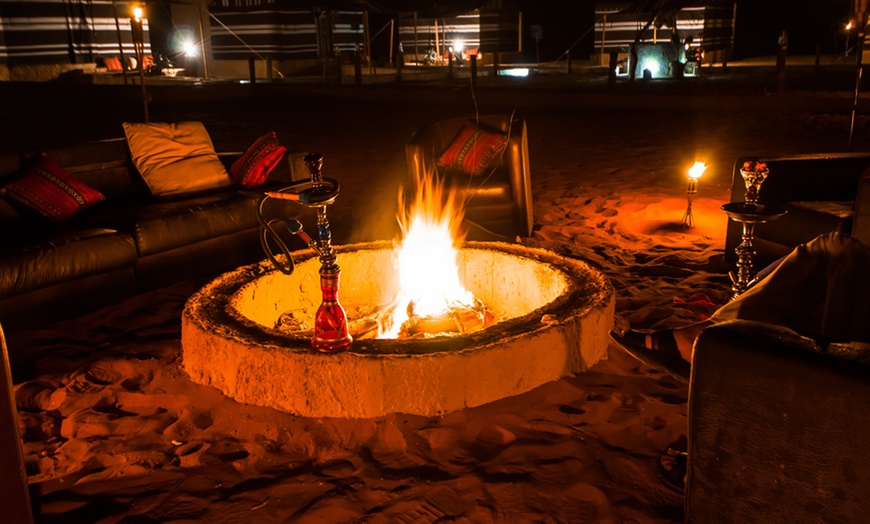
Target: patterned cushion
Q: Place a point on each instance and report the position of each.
(47, 189)
(473, 150)
(253, 168)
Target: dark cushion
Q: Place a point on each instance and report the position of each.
(104, 165)
(68, 254)
(158, 226)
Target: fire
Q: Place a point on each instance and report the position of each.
(426, 258)
(697, 170)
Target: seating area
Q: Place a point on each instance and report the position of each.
(485, 160)
(717, 475)
(119, 235)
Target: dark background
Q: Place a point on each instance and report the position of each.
(811, 25)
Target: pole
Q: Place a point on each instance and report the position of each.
(782, 52)
(367, 40)
(138, 33)
(202, 45)
(416, 50)
(860, 70)
(141, 59)
(392, 29)
(520, 31)
(437, 47)
(120, 42)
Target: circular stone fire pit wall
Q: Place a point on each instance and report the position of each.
(554, 318)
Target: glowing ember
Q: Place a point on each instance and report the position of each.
(426, 261)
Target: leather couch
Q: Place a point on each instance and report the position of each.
(821, 193)
(777, 427)
(499, 204)
(130, 243)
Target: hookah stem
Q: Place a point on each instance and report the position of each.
(327, 255)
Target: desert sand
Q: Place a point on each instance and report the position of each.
(114, 430)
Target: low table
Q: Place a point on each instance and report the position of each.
(748, 215)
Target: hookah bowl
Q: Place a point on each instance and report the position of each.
(753, 180)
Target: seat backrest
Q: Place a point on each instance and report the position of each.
(429, 142)
(14, 497)
(831, 178)
(800, 178)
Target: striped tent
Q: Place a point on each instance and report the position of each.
(710, 26)
(284, 29)
(418, 35)
(490, 29)
(65, 31)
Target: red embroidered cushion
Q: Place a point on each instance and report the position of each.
(47, 189)
(473, 150)
(253, 167)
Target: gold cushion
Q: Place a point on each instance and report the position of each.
(175, 159)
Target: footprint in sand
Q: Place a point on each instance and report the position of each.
(571, 410)
(607, 212)
(39, 396)
(138, 381)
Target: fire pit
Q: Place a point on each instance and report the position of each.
(554, 316)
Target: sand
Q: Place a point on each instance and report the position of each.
(114, 430)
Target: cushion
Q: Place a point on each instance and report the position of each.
(175, 159)
(112, 63)
(253, 168)
(47, 189)
(473, 149)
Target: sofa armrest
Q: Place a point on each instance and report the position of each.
(861, 218)
(228, 157)
(777, 428)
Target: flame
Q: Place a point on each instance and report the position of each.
(426, 257)
(697, 170)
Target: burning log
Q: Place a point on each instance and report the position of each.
(458, 319)
(363, 321)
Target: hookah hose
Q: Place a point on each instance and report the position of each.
(267, 232)
(322, 196)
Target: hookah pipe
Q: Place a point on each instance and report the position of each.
(330, 322)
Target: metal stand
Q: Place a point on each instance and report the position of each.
(748, 215)
(331, 332)
(688, 217)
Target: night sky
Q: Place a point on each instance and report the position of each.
(809, 23)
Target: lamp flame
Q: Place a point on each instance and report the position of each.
(697, 170)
